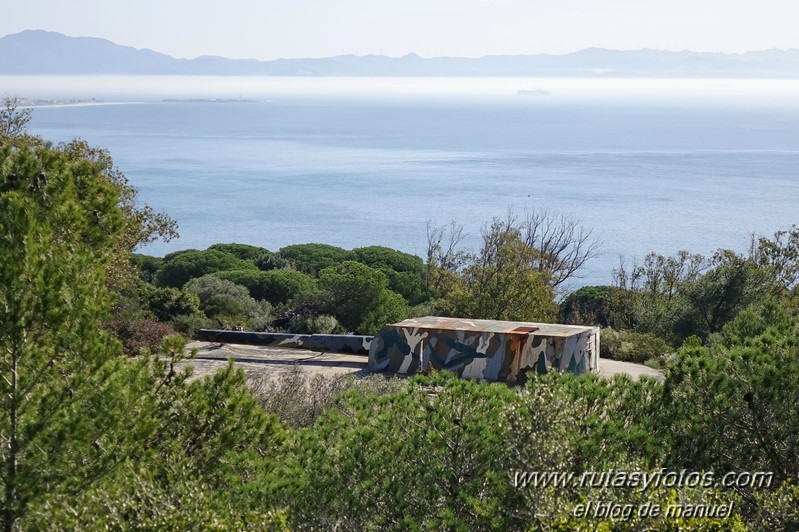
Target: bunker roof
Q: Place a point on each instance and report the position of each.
(495, 326)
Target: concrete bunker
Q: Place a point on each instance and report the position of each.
(484, 349)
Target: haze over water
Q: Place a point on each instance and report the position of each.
(651, 165)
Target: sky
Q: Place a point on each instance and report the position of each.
(271, 29)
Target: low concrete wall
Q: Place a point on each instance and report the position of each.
(328, 343)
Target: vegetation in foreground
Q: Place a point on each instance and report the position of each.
(94, 439)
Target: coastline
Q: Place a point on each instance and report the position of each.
(22, 103)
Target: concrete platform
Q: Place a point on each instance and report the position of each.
(272, 361)
(609, 368)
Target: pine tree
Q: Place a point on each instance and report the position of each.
(83, 428)
(59, 368)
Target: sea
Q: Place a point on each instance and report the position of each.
(647, 164)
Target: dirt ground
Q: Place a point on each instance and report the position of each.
(272, 361)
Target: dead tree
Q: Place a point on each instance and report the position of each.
(562, 244)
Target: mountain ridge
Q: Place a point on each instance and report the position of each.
(44, 52)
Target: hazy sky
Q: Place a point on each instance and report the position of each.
(268, 29)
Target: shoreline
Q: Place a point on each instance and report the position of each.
(66, 103)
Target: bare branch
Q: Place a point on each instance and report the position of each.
(563, 245)
(444, 253)
(13, 120)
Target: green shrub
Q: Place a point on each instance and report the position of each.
(140, 335)
(323, 324)
(778, 509)
(596, 305)
(434, 307)
(230, 304)
(148, 266)
(274, 286)
(303, 308)
(299, 399)
(407, 284)
(272, 261)
(359, 297)
(168, 303)
(631, 346)
(740, 392)
(189, 325)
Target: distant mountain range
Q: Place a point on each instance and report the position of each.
(44, 52)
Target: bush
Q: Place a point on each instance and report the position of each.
(313, 258)
(631, 346)
(779, 509)
(360, 298)
(177, 308)
(180, 267)
(148, 266)
(189, 325)
(138, 335)
(322, 324)
(299, 399)
(389, 307)
(407, 284)
(590, 305)
(274, 286)
(303, 308)
(740, 392)
(168, 303)
(230, 304)
(442, 451)
(434, 307)
(272, 261)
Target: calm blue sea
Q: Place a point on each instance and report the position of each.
(652, 167)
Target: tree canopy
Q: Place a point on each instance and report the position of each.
(313, 258)
(181, 266)
(502, 283)
(359, 297)
(242, 251)
(84, 431)
(275, 286)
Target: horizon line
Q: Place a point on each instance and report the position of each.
(410, 53)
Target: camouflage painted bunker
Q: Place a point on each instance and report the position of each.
(484, 349)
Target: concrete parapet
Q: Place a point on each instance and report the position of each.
(330, 343)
